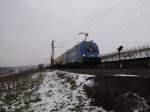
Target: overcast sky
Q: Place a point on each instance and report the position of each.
(28, 26)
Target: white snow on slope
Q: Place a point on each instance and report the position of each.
(63, 92)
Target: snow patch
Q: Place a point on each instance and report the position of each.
(57, 94)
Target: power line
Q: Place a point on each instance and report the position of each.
(112, 8)
(98, 13)
(125, 23)
(99, 18)
(61, 44)
(129, 13)
(106, 13)
(103, 14)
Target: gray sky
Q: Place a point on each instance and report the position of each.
(28, 26)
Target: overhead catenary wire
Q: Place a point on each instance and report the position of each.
(101, 17)
(119, 26)
(129, 13)
(60, 44)
(105, 13)
(125, 23)
(97, 13)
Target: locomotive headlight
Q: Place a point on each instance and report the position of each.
(83, 54)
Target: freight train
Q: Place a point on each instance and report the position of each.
(84, 53)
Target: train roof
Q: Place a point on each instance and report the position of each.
(81, 43)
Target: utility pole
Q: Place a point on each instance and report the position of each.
(52, 53)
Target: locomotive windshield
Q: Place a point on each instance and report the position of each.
(90, 47)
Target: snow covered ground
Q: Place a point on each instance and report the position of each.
(63, 92)
(55, 92)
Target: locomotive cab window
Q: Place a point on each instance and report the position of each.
(90, 47)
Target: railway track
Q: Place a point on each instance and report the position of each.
(142, 73)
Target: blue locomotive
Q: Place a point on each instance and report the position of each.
(84, 52)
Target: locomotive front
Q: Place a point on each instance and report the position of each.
(90, 52)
